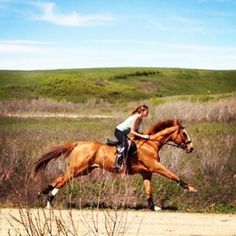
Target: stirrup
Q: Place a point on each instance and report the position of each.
(119, 158)
(118, 162)
(117, 166)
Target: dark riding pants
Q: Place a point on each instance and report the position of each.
(122, 138)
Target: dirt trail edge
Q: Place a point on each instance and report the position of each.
(110, 222)
(53, 115)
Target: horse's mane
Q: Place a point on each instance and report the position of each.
(162, 125)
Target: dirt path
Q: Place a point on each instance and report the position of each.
(53, 115)
(92, 222)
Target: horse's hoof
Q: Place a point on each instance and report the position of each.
(49, 206)
(156, 208)
(192, 189)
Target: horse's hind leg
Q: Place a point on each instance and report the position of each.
(56, 185)
(81, 163)
(61, 181)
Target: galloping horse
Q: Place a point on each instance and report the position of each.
(88, 155)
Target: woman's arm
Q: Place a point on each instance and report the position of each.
(133, 129)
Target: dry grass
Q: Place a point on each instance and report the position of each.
(219, 110)
(43, 105)
(187, 111)
(213, 158)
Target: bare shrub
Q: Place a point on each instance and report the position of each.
(71, 223)
(220, 111)
(40, 222)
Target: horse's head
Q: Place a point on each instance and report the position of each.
(182, 139)
(172, 130)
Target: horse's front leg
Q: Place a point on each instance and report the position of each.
(147, 178)
(157, 167)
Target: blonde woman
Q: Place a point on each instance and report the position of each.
(129, 126)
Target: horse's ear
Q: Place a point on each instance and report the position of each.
(179, 122)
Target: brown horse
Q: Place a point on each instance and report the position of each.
(88, 155)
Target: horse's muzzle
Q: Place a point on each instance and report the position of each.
(189, 150)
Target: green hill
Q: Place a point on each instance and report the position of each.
(114, 84)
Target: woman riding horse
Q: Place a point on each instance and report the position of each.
(88, 155)
(130, 125)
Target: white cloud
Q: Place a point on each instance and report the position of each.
(117, 41)
(18, 47)
(28, 55)
(49, 14)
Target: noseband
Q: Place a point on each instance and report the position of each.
(182, 145)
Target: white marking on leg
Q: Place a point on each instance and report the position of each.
(54, 191)
(50, 197)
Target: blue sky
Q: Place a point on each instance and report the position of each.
(101, 33)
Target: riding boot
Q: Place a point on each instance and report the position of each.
(119, 157)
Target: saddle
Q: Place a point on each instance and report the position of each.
(132, 149)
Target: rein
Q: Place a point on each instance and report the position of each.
(182, 145)
(170, 144)
(173, 145)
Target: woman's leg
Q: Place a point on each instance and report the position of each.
(122, 151)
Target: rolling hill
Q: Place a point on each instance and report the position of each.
(114, 84)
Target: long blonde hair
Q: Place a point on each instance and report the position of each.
(140, 109)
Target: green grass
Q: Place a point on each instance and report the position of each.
(102, 125)
(114, 84)
(213, 128)
(197, 98)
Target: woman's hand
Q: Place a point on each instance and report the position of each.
(146, 136)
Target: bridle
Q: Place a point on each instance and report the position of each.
(182, 145)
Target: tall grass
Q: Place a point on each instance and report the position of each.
(50, 105)
(211, 108)
(210, 168)
(223, 110)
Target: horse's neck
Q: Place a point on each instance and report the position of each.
(163, 135)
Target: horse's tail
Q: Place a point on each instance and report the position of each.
(54, 153)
